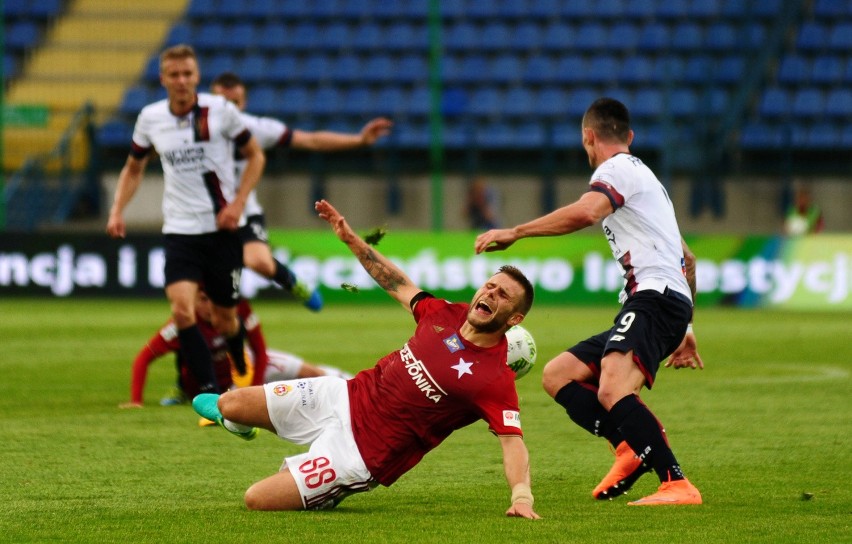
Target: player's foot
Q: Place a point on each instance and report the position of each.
(175, 397)
(624, 472)
(206, 405)
(312, 299)
(669, 493)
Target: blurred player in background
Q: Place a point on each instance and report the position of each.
(271, 133)
(203, 202)
(264, 365)
(598, 380)
(375, 427)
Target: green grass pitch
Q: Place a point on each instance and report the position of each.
(763, 431)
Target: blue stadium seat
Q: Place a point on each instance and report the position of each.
(505, 69)
(304, 37)
(254, 68)
(460, 37)
(609, 9)
(570, 69)
(519, 102)
(767, 8)
(647, 104)
(823, 136)
(258, 10)
(512, 10)
(346, 69)
(46, 9)
(846, 136)
(496, 135)
(179, 33)
(775, 103)
(579, 100)
(654, 38)
(241, 36)
(367, 37)
(135, 98)
(326, 101)
(847, 72)
(529, 135)
(567, 135)
(827, 70)
(292, 101)
(496, 36)
(403, 37)
(640, 9)
(486, 102)
(622, 37)
(473, 69)
(635, 70)
(526, 37)
(358, 101)
(687, 37)
(720, 37)
(151, 72)
(698, 70)
(390, 102)
(668, 68)
(283, 69)
(115, 133)
(840, 39)
(812, 37)
(336, 36)
(838, 104)
(22, 35)
(603, 69)
(730, 70)
(831, 10)
(551, 102)
(558, 37)
(379, 69)
(263, 100)
(453, 102)
(683, 102)
(208, 37)
(273, 37)
(703, 9)
(323, 9)
(759, 135)
(201, 10)
(482, 10)
(808, 102)
(412, 69)
(591, 36)
(10, 67)
(14, 9)
(539, 70)
(316, 68)
(218, 63)
(794, 70)
(453, 9)
(673, 9)
(419, 102)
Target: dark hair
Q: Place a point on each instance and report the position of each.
(228, 80)
(518, 276)
(609, 119)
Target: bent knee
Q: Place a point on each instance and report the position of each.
(562, 370)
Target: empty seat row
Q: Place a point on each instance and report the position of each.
(821, 70)
(31, 9)
(807, 102)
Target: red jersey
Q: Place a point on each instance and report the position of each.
(438, 382)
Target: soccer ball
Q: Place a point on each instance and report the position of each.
(521, 354)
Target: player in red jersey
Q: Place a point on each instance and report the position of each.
(265, 364)
(373, 428)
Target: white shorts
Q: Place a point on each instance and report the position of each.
(315, 411)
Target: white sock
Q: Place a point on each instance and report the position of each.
(235, 427)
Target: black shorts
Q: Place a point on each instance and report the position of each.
(214, 259)
(254, 230)
(650, 324)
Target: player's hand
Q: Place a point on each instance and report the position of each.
(228, 217)
(375, 129)
(131, 404)
(494, 240)
(522, 510)
(328, 212)
(686, 354)
(116, 227)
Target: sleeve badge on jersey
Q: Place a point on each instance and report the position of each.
(281, 389)
(511, 418)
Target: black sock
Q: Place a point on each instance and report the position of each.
(645, 436)
(198, 358)
(236, 347)
(283, 276)
(581, 403)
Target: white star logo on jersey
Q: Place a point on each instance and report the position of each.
(463, 368)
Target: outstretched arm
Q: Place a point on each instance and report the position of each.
(516, 463)
(588, 210)
(327, 141)
(389, 276)
(128, 182)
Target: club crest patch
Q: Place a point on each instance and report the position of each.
(453, 343)
(281, 389)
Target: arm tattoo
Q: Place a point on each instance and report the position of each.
(381, 270)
